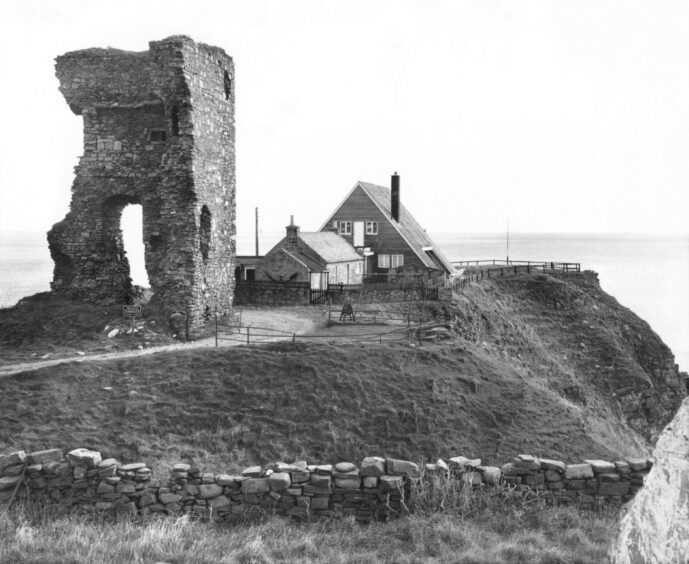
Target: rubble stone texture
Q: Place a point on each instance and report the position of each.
(158, 131)
(655, 528)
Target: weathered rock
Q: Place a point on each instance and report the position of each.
(12, 459)
(45, 456)
(370, 482)
(84, 457)
(527, 461)
(613, 488)
(638, 464)
(133, 467)
(556, 465)
(252, 472)
(372, 466)
(578, 471)
(462, 463)
(442, 465)
(601, 466)
(208, 491)
(7, 482)
(228, 480)
(402, 468)
(166, 498)
(256, 485)
(655, 529)
(279, 481)
(348, 483)
(345, 467)
(391, 482)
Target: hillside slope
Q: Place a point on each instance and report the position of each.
(540, 364)
(566, 332)
(237, 406)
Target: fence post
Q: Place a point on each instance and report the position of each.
(216, 328)
(247, 335)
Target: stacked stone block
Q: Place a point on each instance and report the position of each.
(377, 489)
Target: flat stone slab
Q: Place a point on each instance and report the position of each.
(491, 474)
(166, 498)
(391, 482)
(208, 491)
(637, 464)
(578, 471)
(256, 485)
(601, 466)
(462, 463)
(12, 459)
(279, 481)
(133, 467)
(7, 482)
(228, 480)
(556, 465)
(252, 472)
(402, 468)
(372, 466)
(45, 456)
(527, 461)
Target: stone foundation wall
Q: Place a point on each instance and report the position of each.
(377, 489)
(247, 294)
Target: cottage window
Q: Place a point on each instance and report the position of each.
(345, 227)
(396, 261)
(371, 228)
(383, 261)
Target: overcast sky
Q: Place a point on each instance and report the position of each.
(563, 116)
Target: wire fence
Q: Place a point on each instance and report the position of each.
(252, 335)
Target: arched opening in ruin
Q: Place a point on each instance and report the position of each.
(131, 224)
(205, 232)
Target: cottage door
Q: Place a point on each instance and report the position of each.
(358, 233)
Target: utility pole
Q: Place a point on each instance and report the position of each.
(508, 241)
(256, 231)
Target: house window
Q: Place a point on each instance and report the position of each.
(158, 136)
(371, 228)
(345, 227)
(390, 261)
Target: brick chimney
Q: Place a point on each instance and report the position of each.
(292, 234)
(395, 197)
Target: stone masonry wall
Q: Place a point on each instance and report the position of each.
(377, 489)
(158, 131)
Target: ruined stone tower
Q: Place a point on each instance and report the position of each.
(158, 131)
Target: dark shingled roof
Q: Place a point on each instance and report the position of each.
(409, 228)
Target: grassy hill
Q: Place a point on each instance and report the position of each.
(545, 365)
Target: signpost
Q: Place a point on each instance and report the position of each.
(132, 312)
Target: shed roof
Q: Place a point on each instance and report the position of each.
(330, 246)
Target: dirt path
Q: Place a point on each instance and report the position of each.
(297, 319)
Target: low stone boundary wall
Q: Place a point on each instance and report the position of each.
(377, 489)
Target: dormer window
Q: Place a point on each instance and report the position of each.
(158, 136)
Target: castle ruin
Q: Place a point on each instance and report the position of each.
(158, 131)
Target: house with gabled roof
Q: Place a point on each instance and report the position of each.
(320, 258)
(377, 225)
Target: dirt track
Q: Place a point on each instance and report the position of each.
(297, 320)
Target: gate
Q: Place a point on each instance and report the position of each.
(318, 297)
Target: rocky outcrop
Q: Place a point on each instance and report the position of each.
(655, 528)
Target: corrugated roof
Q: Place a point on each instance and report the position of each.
(408, 227)
(330, 246)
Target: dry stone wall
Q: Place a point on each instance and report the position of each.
(158, 131)
(376, 489)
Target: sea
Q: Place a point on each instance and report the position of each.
(648, 274)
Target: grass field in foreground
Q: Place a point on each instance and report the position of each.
(471, 529)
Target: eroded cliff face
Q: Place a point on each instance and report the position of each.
(564, 330)
(655, 528)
